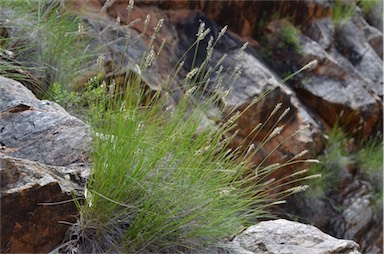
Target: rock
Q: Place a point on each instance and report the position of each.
(344, 211)
(39, 130)
(36, 203)
(287, 237)
(358, 219)
(322, 31)
(338, 89)
(351, 42)
(180, 28)
(36, 197)
(375, 15)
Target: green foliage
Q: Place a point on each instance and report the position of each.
(342, 10)
(46, 41)
(335, 158)
(78, 102)
(286, 38)
(367, 5)
(370, 156)
(367, 159)
(290, 38)
(370, 161)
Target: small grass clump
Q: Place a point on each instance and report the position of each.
(335, 158)
(340, 153)
(342, 10)
(367, 5)
(290, 38)
(370, 161)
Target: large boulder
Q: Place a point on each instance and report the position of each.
(287, 237)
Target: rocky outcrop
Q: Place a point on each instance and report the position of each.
(245, 18)
(282, 236)
(256, 81)
(345, 87)
(36, 194)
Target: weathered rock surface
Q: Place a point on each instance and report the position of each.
(340, 89)
(36, 197)
(39, 130)
(287, 237)
(112, 42)
(245, 18)
(36, 206)
(344, 212)
(255, 81)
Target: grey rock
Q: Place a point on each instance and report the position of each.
(346, 85)
(322, 31)
(352, 43)
(39, 130)
(344, 212)
(287, 237)
(375, 15)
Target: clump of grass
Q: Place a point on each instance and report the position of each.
(367, 5)
(159, 183)
(370, 155)
(46, 42)
(286, 38)
(164, 181)
(341, 153)
(336, 157)
(342, 10)
(370, 161)
(290, 38)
